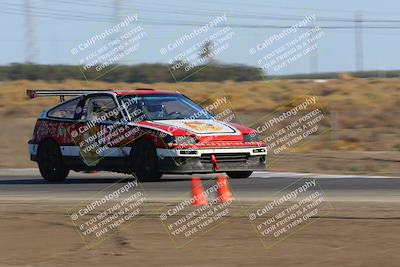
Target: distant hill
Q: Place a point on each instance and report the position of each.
(153, 73)
(338, 75)
(146, 73)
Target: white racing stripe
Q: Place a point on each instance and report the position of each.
(110, 152)
(73, 151)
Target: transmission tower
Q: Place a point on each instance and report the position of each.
(30, 48)
(358, 26)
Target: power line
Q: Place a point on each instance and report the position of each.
(247, 4)
(50, 13)
(185, 23)
(60, 14)
(208, 13)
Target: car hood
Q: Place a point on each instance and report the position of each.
(199, 127)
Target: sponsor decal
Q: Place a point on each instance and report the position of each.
(88, 150)
(199, 127)
(202, 126)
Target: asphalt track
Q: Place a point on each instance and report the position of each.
(27, 184)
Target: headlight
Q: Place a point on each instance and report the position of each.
(251, 137)
(180, 140)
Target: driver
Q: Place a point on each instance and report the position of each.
(155, 110)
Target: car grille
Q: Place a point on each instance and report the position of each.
(225, 157)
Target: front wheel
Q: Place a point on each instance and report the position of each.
(145, 161)
(50, 161)
(239, 175)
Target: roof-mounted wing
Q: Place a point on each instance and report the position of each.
(62, 93)
(144, 89)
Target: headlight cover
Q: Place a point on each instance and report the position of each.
(253, 137)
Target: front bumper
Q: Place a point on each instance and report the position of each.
(185, 161)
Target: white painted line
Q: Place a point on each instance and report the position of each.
(315, 175)
(35, 172)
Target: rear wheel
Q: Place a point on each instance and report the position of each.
(145, 161)
(239, 175)
(51, 163)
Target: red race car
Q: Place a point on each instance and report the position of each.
(143, 132)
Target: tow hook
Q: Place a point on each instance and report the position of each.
(214, 162)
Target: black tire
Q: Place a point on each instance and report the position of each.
(239, 175)
(145, 162)
(50, 161)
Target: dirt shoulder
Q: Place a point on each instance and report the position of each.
(354, 234)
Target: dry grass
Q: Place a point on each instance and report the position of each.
(379, 98)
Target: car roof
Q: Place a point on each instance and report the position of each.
(143, 91)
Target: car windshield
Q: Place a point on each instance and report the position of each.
(163, 107)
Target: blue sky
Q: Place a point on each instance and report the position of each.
(60, 25)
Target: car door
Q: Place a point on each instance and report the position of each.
(101, 120)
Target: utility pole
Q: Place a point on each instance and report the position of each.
(30, 48)
(314, 58)
(117, 19)
(358, 27)
(117, 11)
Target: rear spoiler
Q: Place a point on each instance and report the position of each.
(62, 93)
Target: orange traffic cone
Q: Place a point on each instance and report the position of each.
(198, 194)
(224, 193)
